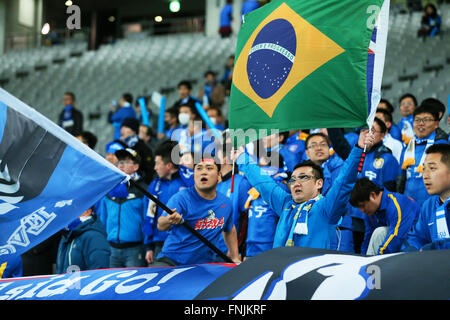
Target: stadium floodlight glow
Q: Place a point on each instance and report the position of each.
(158, 19)
(69, 3)
(45, 29)
(174, 6)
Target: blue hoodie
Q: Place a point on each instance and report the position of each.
(324, 214)
(84, 247)
(396, 211)
(424, 232)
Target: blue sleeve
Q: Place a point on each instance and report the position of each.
(244, 187)
(270, 191)
(420, 234)
(101, 211)
(398, 228)
(177, 201)
(98, 251)
(391, 170)
(229, 223)
(334, 203)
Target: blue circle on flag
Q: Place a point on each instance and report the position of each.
(271, 57)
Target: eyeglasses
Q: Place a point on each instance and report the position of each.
(124, 162)
(301, 178)
(424, 120)
(318, 145)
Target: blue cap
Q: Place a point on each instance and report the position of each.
(112, 147)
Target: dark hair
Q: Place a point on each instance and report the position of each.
(443, 150)
(408, 95)
(285, 135)
(208, 157)
(190, 106)
(388, 104)
(318, 134)
(164, 150)
(71, 94)
(219, 112)
(433, 7)
(185, 83)
(425, 109)
(386, 114)
(128, 97)
(148, 131)
(210, 72)
(434, 104)
(318, 171)
(382, 125)
(361, 191)
(89, 138)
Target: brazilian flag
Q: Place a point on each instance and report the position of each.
(303, 64)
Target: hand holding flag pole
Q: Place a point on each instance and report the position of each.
(365, 141)
(183, 223)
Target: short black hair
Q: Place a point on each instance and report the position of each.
(434, 104)
(443, 150)
(185, 83)
(165, 149)
(388, 104)
(71, 94)
(382, 125)
(89, 138)
(128, 97)
(318, 171)
(362, 190)
(408, 95)
(425, 109)
(318, 134)
(386, 114)
(210, 72)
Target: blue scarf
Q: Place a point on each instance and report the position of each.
(300, 221)
(67, 118)
(441, 220)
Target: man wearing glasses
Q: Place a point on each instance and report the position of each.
(307, 219)
(426, 122)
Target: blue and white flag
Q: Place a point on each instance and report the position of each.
(47, 177)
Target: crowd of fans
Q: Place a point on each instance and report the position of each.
(296, 188)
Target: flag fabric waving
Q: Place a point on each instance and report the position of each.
(47, 177)
(306, 64)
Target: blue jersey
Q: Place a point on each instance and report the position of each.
(209, 217)
(163, 189)
(12, 268)
(262, 223)
(291, 159)
(226, 15)
(331, 170)
(381, 167)
(117, 118)
(249, 5)
(296, 144)
(425, 231)
(397, 212)
(202, 142)
(396, 132)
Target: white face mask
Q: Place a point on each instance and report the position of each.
(214, 121)
(183, 118)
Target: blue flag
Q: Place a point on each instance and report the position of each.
(47, 177)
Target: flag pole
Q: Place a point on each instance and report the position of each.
(361, 161)
(183, 223)
(232, 176)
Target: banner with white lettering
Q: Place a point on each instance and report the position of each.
(47, 177)
(157, 283)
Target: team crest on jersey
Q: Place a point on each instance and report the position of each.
(378, 163)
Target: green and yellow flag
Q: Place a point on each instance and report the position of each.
(303, 64)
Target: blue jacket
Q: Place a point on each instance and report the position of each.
(84, 247)
(117, 118)
(291, 158)
(296, 144)
(162, 189)
(324, 214)
(414, 186)
(396, 211)
(424, 232)
(123, 216)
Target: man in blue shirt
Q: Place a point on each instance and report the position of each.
(121, 112)
(431, 230)
(204, 209)
(408, 103)
(276, 142)
(388, 216)
(307, 218)
(226, 16)
(426, 123)
(170, 180)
